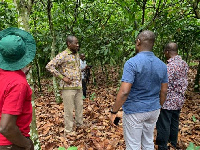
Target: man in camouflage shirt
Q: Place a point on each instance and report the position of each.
(66, 66)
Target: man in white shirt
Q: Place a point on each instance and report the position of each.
(83, 66)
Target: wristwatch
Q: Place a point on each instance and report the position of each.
(111, 111)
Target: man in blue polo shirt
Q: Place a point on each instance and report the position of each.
(142, 93)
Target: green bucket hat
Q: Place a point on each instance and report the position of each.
(17, 49)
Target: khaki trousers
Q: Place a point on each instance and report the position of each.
(72, 99)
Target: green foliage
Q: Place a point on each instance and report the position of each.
(61, 148)
(193, 64)
(8, 15)
(92, 96)
(194, 118)
(107, 29)
(72, 148)
(193, 147)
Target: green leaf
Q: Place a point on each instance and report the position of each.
(129, 29)
(92, 96)
(72, 148)
(131, 54)
(97, 52)
(194, 119)
(61, 148)
(191, 146)
(112, 61)
(136, 33)
(197, 148)
(118, 89)
(105, 52)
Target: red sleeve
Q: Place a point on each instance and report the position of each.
(15, 95)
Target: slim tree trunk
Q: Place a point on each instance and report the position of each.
(143, 11)
(37, 65)
(77, 3)
(53, 48)
(196, 8)
(196, 83)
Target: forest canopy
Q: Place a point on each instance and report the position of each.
(106, 29)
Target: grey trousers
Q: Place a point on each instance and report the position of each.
(72, 99)
(138, 130)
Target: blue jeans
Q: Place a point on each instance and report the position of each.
(167, 128)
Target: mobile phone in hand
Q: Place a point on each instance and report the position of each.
(116, 121)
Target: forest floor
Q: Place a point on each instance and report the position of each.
(98, 133)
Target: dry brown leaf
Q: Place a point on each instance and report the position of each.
(50, 120)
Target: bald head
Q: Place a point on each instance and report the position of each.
(145, 41)
(171, 47)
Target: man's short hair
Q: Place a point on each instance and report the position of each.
(147, 35)
(70, 39)
(81, 54)
(171, 47)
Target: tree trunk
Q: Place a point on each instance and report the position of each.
(53, 48)
(143, 11)
(37, 65)
(196, 83)
(38, 74)
(196, 9)
(24, 10)
(77, 3)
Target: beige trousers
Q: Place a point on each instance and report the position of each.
(72, 99)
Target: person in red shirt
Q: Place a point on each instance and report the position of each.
(17, 50)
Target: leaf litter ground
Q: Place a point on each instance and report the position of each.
(97, 132)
